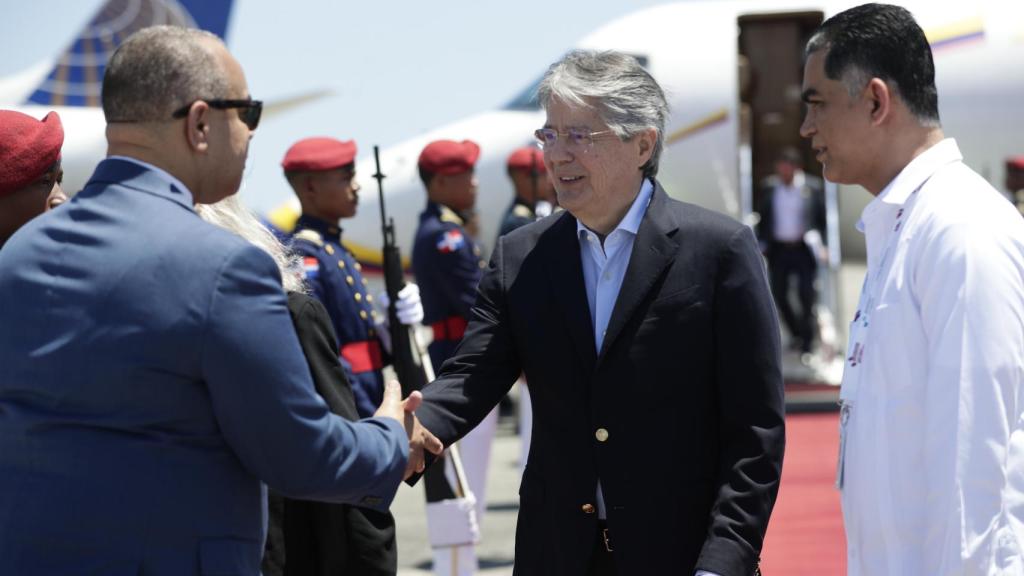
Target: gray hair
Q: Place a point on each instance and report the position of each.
(158, 70)
(232, 216)
(625, 95)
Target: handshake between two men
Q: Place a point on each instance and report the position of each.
(420, 439)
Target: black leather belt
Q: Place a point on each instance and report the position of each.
(794, 244)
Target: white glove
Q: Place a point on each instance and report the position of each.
(542, 209)
(409, 308)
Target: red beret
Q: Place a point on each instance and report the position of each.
(1015, 163)
(449, 157)
(526, 159)
(28, 148)
(319, 154)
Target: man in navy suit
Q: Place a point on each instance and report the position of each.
(150, 377)
(646, 329)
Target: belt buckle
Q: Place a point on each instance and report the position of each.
(607, 541)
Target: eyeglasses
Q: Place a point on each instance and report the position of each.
(576, 138)
(249, 111)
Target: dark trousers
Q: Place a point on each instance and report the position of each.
(602, 561)
(786, 260)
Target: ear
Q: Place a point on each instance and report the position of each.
(645, 145)
(440, 183)
(880, 98)
(197, 126)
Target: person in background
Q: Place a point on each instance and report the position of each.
(931, 467)
(447, 264)
(790, 231)
(151, 383)
(30, 168)
(533, 192)
(646, 330)
(308, 537)
(322, 172)
(533, 198)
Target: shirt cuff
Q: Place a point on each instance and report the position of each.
(705, 573)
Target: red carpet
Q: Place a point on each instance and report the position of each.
(805, 535)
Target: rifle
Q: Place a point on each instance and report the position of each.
(405, 350)
(452, 504)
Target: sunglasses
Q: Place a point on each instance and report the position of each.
(249, 111)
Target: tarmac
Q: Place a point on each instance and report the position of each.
(496, 550)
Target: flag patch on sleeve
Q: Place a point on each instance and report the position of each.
(311, 267)
(451, 241)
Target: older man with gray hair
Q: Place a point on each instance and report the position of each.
(646, 329)
(150, 377)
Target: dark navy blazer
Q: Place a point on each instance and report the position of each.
(679, 415)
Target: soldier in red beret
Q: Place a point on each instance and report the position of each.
(30, 170)
(534, 199)
(447, 263)
(304, 535)
(534, 192)
(322, 172)
(445, 258)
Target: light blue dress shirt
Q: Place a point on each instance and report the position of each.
(604, 268)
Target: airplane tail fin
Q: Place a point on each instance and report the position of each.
(77, 76)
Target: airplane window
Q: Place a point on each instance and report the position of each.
(527, 99)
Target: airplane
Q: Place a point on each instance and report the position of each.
(71, 85)
(734, 104)
(732, 70)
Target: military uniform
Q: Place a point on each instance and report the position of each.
(448, 266)
(520, 213)
(334, 278)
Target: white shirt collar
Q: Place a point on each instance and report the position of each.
(914, 174)
(919, 170)
(631, 221)
(159, 171)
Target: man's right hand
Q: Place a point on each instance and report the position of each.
(420, 438)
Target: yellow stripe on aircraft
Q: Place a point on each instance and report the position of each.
(957, 32)
(705, 122)
(284, 217)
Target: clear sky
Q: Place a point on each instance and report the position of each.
(394, 69)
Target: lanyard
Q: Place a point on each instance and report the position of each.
(873, 282)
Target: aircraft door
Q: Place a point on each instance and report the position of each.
(771, 111)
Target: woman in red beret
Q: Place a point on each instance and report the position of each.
(30, 168)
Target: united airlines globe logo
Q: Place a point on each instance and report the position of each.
(78, 74)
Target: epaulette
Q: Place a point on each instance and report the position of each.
(311, 236)
(522, 211)
(449, 215)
